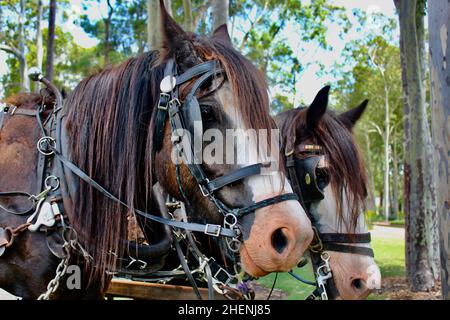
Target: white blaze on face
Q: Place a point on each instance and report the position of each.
(251, 150)
(342, 264)
(327, 216)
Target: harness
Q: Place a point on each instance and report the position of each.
(46, 204)
(302, 167)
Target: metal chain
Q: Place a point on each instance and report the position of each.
(60, 272)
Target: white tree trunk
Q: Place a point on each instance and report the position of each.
(439, 27)
(154, 22)
(39, 46)
(220, 9)
(386, 152)
(419, 191)
(25, 82)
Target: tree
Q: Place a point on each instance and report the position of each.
(49, 65)
(422, 244)
(370, 70)
(220, 9)
(439, 26)
(39, 47)
(153, 22)
(17, 49)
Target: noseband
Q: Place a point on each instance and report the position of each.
(303, 167)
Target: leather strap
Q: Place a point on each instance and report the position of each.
(209, 229)
(234, 176)
(197, 70)
(348, 249)
(346, 237)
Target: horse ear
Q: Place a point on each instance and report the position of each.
(317, 108)
(221, 33)
(350, 117)
(173, 36)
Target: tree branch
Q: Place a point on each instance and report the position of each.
(12, 50)
(253, 24)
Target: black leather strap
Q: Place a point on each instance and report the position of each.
(197, 70)
(209, 229)
(265, 203)
(234, 176)
(346, 237)
(348, 249)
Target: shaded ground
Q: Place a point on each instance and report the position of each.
(396, 288)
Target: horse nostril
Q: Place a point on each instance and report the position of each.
(358, 284)
(279, 240)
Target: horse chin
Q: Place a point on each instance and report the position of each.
(250, 266)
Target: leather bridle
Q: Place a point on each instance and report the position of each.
(302, 166)
(180, 115)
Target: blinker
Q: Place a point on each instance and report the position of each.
(306, 174)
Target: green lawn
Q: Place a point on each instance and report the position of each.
(389, 255)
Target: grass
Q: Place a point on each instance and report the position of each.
(389, 255)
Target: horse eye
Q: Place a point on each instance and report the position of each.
(208, 113)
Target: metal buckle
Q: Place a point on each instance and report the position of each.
(215, 233)
(163, 107)
(205, 191)
(222, 270)
(318, 246)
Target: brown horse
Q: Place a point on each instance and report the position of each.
(109, 128)
(337, 205)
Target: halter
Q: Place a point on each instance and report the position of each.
(302, 165)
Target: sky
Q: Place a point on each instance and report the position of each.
(309, 82)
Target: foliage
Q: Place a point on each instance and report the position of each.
(363, 80)
(264, 26)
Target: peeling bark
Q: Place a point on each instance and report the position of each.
(439, 26)
(419, 202)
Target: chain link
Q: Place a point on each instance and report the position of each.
(60, 272)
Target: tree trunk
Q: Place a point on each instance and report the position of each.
(49, 66)
(25, 82)
(220, 12)
(439, 26)
(394, 203)
(386, 150)
(419, 191)
(107, 45)
(39, 47)
(370, 203)
(188, 21)
(153, 22)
